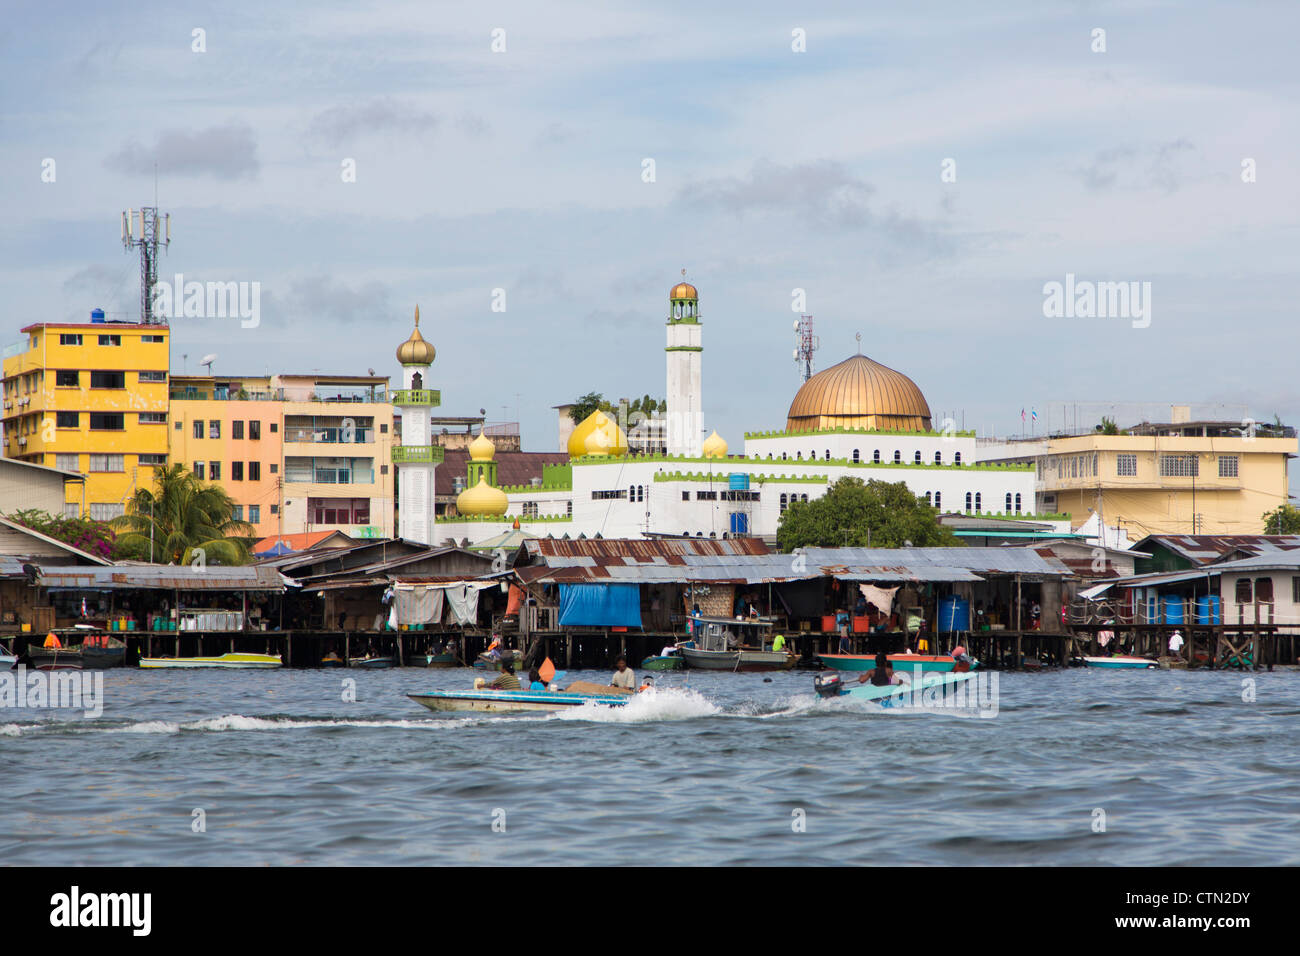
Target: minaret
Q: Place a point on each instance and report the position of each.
(684, 353)
(416, 457)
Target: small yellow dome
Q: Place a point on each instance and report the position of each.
(715, 446)
(415, 350)
(683, 290)
(482, 448)
(598, 434)
(482, 499)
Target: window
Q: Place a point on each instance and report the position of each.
(198, 429)
(383, 428)
(214, 429)
(938, 498)
(1228, 465)
(785, 502)
(898, 457)
(978, 503)
(928, 501)
(826, 456)
(275, 509)
(275, 468)
(254, 471)
(102, 463)
(1295, 590)
(956, 459)
(237, 512)
(254, 429)
(153, 459)
(275, 427)
(71, 509)
(916, 459)
(152, 339)
(1126, 465)
(607, 495)
(255, 513)
(855, 456)
(67, 379)
(706, 496)
(1008, 508)
(686, 496)
(67, 419)
(968, 500)
(383, 469)
(153, 418)
(1245, 593)
(1017, 504)
(67, 339)
(530, 509)
(107, 421)
(236, 471)
(803, 498)
(1179, 466)
(875, 457)
(153, 376)
(108, 380)
(214, 470)
(237, 429)
(338, 510)
(179, 425)
(67, 462)
(101, 511)
(110, 340)
(568, 505)
(938, 458)
(1263, 590)
(198, 470)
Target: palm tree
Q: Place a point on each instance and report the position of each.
(180, 514)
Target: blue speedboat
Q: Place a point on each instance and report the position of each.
(516, 701)
(1119, 661)
(831, 684)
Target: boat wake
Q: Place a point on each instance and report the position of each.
(226, 722)
(651, 705)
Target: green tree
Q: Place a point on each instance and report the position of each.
(181, 513)
(1108, 426)
(1284, 519)
(851, 512)
(586, 404)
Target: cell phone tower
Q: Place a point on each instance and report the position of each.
(146, 229)
(805, 345)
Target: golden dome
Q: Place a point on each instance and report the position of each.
(482, 448)
(482, 499)
(715, 446)
(683, 290)
(416, 351)
(598, 434)
(859, 393)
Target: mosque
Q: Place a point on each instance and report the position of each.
(858, 418)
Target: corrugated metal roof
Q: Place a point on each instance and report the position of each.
(642, 548)
(1204, 548)
(167, 577)
(676, 569)
(981, 561)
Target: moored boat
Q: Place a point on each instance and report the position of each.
(445, 659)
(491, 662)
(100, 650)
(371, 661)
(332, 660)
(1120, 661)
(54, 658)
(941, 663)
(222, 661)
(522, 701)
(663, 662)
(742, 644)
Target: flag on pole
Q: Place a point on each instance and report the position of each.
(1034, 413)
(1022, 415)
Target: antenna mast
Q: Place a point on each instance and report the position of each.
(146, 229)
(805, 345)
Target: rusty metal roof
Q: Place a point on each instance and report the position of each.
(672, 569)
(933, 564)
(164, 577)
(642, 549)
(1204, 548)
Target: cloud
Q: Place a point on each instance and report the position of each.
(321, 298)
(1130, 167)
(823, 191)
(384, 115)
(555, 134)
(222, 152)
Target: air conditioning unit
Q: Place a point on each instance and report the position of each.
(22, 442)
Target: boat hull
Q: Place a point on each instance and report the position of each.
(372, 663)
(1116, 663)
(222, 662)
(662, 663)
(891, 692)
(900, 662)
(511, 701)
(741, 660)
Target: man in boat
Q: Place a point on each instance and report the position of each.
(624, 676)
(962, 658)
(882, 675)
(507, 679)
(778, 644)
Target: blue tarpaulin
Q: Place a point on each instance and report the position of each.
(600, 605)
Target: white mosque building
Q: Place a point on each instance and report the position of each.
(858, 419)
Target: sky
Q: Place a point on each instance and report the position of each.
(920, 171)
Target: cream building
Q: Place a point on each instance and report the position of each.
(1179, 477)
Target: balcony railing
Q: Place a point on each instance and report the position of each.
(431, 397)
(329, 436)
(417, 454)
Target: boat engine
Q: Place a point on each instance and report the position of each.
(828, 684)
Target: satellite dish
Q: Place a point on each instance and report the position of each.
(482, 411)
(796, 325)
(370, 371)
(208, 360)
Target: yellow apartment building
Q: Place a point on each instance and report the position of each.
(90, 398)
(297, 453)
(1181, 477)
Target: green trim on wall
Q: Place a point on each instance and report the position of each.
(504, 519)
(684, 348)
(857, 431)
(758, 479)
(722, 463)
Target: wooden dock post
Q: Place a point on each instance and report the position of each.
(568, 651)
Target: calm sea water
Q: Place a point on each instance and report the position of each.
(714, 769)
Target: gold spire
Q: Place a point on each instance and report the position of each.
(415, 350)
(482, 448)
(715, 446)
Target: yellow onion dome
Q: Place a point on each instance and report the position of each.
(598, 434)
(715, 446)
(482, 499)
(482, 448)
(415, 350)
(683, 290)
